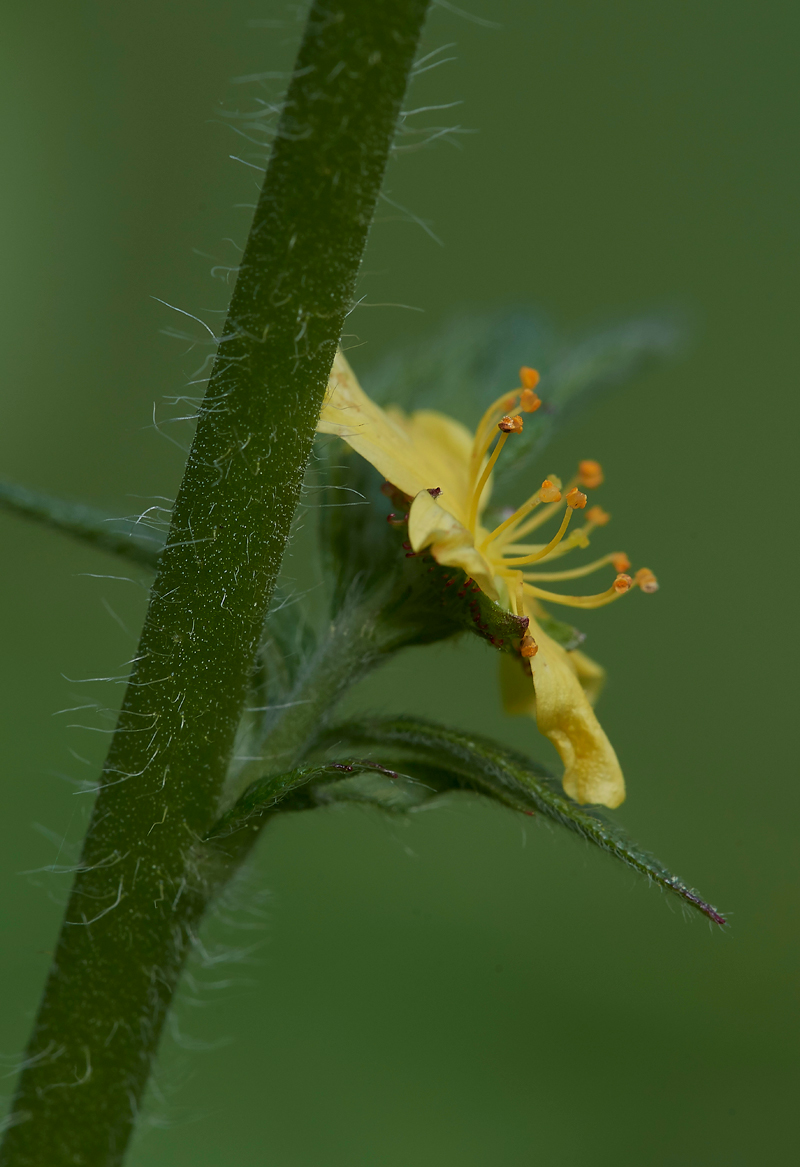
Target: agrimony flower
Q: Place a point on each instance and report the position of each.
(447, 473)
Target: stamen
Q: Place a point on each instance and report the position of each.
(547, 493)
(510, 425)
(528, 378)
(529, 401)
(544, 515)
(590, 473)
(478, 490)
(481, 442)
(576, 538)
(618, 560)
(548, 547)
(550, 491)
(528, 647)
(576, 499)
(646, 580)
(598, 601)
(597, 516)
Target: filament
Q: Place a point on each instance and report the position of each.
(548, 547)
(520, 513)
(598, 601)
(543, 515)
(575, 572)
(477, 492)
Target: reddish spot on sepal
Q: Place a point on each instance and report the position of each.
(435, 491)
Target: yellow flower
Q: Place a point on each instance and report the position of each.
(446, 471)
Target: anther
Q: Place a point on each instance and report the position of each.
(528, 647)
(576, 499)
(646, 580)
(510, 425)
(620, 562)
(598, 516)
(529, 378)
(550, 492)
(622, 583)
(529, 401)
(590, 474)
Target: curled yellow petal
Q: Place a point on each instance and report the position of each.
(591, 675)
(591, 770)
(450, 543)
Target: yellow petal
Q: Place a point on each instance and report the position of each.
(451, 544)
(442, 442)
(424, 451)
(591, 675)
(591, 770)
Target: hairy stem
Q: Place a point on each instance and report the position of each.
(139, 893)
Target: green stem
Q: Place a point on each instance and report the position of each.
(138, 895)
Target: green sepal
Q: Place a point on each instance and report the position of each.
(477, 763)
(87, 524)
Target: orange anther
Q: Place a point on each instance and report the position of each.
(622, 583)
(529, 401)
(529, 378)
(646, 580)
(576, 499)
(528, 647)
(590, 474)
(598, 516)
(550, 492)
(620, 562)
(510, 425)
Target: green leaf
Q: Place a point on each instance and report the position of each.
(477, 763)
(294, 790)
(122, 537)
(394, 793)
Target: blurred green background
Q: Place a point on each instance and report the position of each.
(464, 990)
